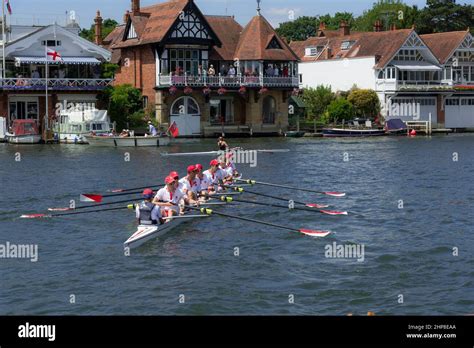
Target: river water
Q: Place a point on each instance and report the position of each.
(410, 203)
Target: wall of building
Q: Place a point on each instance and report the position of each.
(340, 74)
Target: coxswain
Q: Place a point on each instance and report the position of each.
(189, 185)
(222, 145)
(148, 213)
(169, 198)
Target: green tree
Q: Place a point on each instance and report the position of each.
(365, 101)
(125, 105)
(340, 109)
(317, 100)
(299, 29)
(333, 22)
(108, 25)
(444, 15)
(389, 12)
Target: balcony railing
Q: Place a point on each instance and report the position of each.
(228, 81)
(54, 84)
(419, 85)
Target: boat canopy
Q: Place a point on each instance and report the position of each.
(396, 123)
(86, 115)
(25, 127)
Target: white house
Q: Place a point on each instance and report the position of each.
(413, 76)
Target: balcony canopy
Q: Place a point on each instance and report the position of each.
(416, 66)
(64, 60)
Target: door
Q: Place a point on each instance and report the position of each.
(459, 112)
(187, 115)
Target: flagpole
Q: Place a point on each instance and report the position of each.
(3, 39)
(46, 120)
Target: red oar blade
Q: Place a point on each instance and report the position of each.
(331, 212)
(314, 233)
(335, 194)
(317, 206)
(34, 216)
(87, 197)
(59, 209)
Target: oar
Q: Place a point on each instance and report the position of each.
(89, 206)
(309, 205)
(37, 216)
(308, 232)
(253, 182)
(327, 212)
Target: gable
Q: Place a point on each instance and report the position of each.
(414, 49)
(468, 43)
(274, 44)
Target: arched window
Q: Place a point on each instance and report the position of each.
(269, 110)
(185, 106)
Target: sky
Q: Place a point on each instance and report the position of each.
(276, 11)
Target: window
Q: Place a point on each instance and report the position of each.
(132, 34)
(51, 43)
(467, 101)
(452, 101)
(311, 51)
(23, 110)
(269, 110)
(190, 26)
(274, 44)
(145, 101)
(185, 106)
(345, 45)
(221, 111)
(187, 60)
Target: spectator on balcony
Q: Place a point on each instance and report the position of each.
(223, 70)
(270, 70)
(276, 72)
(61, 74)
(35, 74)
(212, 72)
(231, 72)
(285, 71)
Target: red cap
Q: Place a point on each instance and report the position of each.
(169, 180)
(174, 175)
(198, 167)
(214, 163)
(191, 168)
(148, 193)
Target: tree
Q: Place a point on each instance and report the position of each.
(317, 100)
(125, 101)
(108, 25)
(389, 12)
(365, 101)
(444, 15)
(340, 109)
(333, 22)
(299, 29)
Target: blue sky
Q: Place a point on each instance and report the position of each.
(48, 11)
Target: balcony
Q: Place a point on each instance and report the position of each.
(62, 84)
(228, 81)
(388, 85)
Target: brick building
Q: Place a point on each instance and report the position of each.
(205, 72)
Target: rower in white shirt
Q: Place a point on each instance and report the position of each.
(213, 177)
(189, 185)
(170, 199)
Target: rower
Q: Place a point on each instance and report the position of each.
(227, 172)
(212, 177)
(170, 198)
(200, 180)
(146, 212)
(189, 185)
(230, 164)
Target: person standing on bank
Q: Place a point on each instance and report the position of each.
(152, 130)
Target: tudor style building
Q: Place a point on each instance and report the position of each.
(206, 73)
(74, 79)
(433, 72)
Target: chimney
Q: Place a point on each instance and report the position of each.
(328, 53)
(136, 7)
(321, 29)
(377, 26)
(98, 29)
(126, 16)
(344, 28)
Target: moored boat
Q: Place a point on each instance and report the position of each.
(24, 132)
(396, 126)
(3, 129)
(136, 141)
(295, 134)
(352, 132)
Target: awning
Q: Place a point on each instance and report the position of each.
(298, 101)
(65, 60)
(416, 66)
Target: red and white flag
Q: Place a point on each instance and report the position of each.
(174, 131)
(53, 55)
(9, 8)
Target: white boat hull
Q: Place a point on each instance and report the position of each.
(128, 141)
(146, 232)
(24, 139)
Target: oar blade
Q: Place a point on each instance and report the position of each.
(335, 194)
(34, 216)
(315, 233)
(316, 206)
(60, 209)
(332, 212)
(91, 198)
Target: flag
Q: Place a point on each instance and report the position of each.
(53, 55)
(9, 8)
(174, 131)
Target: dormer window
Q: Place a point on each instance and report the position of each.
(345, 45)
(313, 51)
(274, 44)
(132, 34)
